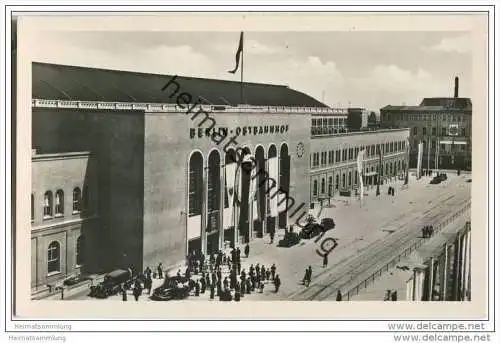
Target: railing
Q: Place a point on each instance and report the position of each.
(371, 279)
(161, 107)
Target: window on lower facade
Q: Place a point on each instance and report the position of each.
(47, 204)
(54, 258)
(77, 199)
(315, 188)
(443, 131)
(322, 186)
(434, 131)
(59, 208)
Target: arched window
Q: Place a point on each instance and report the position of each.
(80, 250)
(337, 182)
(315, 188)
(343, 180)
(47, 204)
(59, 208)
(77, 199)
(323, 186)
(350, 179)
(32, 207)
(53, 257)
(195, 199)
(390, 168)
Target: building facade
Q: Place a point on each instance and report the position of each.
(443, 125)
(64, 216)
(161, 175)
(333, 160)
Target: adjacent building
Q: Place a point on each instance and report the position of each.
(443, 125)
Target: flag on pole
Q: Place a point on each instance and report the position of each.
(407, 171)
(419, 159)
(361, 154)
(273, 194)
(238, 54)
(230, 183)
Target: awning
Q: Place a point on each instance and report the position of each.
(453, 142)
(371, 173)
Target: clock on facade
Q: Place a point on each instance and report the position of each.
(300, 149)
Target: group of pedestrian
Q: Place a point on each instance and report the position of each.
(427, 231)
(427, 172)
(390, 191)
(142, 282)
(391, 295)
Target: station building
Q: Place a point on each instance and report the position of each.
(133, 169)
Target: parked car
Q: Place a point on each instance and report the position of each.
(328, 223)
(290, 239)
(435, 180)
(173, 288)
(75, 279)
(111, 284)
(311, 230)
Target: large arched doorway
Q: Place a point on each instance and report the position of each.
(272, 201)
(195, 201)
(259, 206)
(213, 202)
(284, 185)
(230, 209)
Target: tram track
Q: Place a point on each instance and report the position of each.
(378, 253)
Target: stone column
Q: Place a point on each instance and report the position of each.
(430, 280)
(415, 285)
(456, 268)
(465, 263)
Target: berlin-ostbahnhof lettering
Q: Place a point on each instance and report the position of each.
(237, 131)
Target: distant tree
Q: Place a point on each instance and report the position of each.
(372, 118)
(354, 120)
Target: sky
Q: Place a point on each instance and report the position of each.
(357, 69)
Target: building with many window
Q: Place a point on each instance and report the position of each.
(443, 125)
(64, 215)
(334, 160)
(157, 177)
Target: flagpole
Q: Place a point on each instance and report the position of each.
(241, 71)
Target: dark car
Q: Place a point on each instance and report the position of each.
(290, 239)
(73, 280)
(311, 230)
(435, 180)
(112, 283)
(173, 288)
(328, 224)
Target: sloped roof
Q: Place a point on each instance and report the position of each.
(461, 103)
(63, 82)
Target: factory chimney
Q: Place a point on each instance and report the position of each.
(456, 86)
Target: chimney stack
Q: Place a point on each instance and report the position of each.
(456, 86)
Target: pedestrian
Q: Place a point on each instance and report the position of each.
(124, 293)
(203, 283)
(304, 280)
(387, 295)
(147, 272)
(339, 295)
(394, 296)
(271, 235)
(179, 273)
(257, 270)
(202, 262)
(219, 274)
(261, 286)
(263, 273)
(243, 275)
(309, 276)
(268, 274)
(148, 283)
(137, 290)
(212, 291)
(237, 292)
(249, 286)
(251, 269)
(197, 289)
(247, 250)
(188, 273)
(243, 287)
(238, 255)
(226, 283)
(273, 270)
(325, 260)
(277, 283)
(160, 271)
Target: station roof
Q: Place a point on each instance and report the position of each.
(64, 82)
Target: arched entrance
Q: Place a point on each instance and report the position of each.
(260, 205)
(272, 202)
(195, 201)
(213, 226)
(284, 185)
